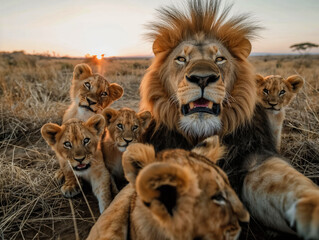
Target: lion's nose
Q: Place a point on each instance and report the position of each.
(203, 81)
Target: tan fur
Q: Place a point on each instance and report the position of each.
(176, 194)
(124, 127)
(76, 145)
(275, 93)
(90, 93)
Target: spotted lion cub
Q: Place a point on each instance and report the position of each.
(90, 93)
(275, 93)
(124, 127)
(76, 145)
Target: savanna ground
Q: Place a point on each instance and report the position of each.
(34, 90)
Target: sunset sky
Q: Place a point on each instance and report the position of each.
(116, 28)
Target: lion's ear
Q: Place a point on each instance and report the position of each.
(156, 47)
(110, 115)
(245, 46)
(135, 157)
(115, 91)
(160, 186)
(145, 117)
(259, 79)
(82, 71)
(294, 83)
(96, 123)
(49, 132)
(210, 148)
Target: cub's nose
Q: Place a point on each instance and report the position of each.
(203, 81)
(79, 159)
(128, 140)
(272, 104)
(90, 102)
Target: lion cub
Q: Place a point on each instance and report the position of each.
(124, 127)
(90, 93)
(275, 93)
(76, 145)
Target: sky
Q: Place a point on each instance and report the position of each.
(117, 27)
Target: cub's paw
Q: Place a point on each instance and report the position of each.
(59, 176)
(70, 190)
(307, 217)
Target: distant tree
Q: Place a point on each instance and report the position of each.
(303, 47)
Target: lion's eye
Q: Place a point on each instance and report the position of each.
(135, 127)
(104, 94)
(87, 85)
(220, 59)
(218, 198)
(86, 141)
(282, 92)
(181, 59)
(120, 126)
(67, 144)
(266, 91)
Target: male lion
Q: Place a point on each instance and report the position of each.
(173, 195)
(200, 84)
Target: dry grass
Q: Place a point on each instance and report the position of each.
(34, 91)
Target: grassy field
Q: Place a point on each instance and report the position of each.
(34, 90)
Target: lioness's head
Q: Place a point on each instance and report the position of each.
(200, 80)
(93, 92)
(125, 126)
(183, 194)
(276, 92)
(75, 141)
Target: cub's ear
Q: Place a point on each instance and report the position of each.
(49, 132)
(145, 118)
(210, 148)
(82, 71)
(135, 157)
(96, 123)
(259, 79)
(110, 115)
(161, 187)
(115, 91)
(294, 83)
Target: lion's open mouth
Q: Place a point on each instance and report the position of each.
(201, 105)
(81, 167)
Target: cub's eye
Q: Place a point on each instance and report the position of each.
(282, 92)
(135, 127)
(104, 94)
(87, 85)
(120, 126)
(218, 198)
(266, 91)
(220, 59)
(86, 141)
(181, 59)
(67, 144)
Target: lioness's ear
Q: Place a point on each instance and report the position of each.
(82, 71)
(294, 83)
(49, 132)
(210, 148)
(135, 157)
(259, 79)
(110, 115)
(145, 117)
(163, 184)
(115, 91)
(237, 206)
(96, 123)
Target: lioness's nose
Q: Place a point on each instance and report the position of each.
(203, 81)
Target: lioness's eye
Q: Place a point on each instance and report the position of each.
(181, 59)
(219, 198)
(134, 127)
(282, 92)
(220, 59)
(67, 144)
(87, 85)
(120, 126)
(265, 91)
(86, 141)
(104, 94)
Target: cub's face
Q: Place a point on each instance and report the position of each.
(201, 75)
(275, 92)
(93, 92)
(75, 141)
(125, 126)
(185, 192)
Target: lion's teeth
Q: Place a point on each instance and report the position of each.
(210, 105)
(191, 105)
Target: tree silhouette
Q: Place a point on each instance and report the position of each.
(303, 47)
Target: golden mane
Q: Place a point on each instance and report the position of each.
(210, 21)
